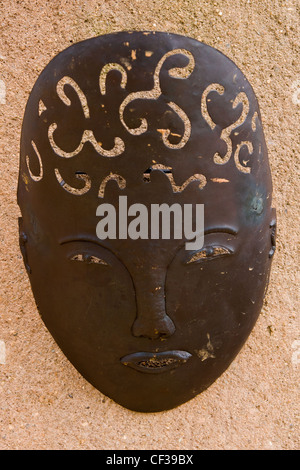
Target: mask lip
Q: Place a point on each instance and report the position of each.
(155, 363)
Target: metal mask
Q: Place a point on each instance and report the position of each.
(117, 125)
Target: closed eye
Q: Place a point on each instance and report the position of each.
(209, 253)
(89, 259)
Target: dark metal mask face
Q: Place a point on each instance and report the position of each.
(160, 119)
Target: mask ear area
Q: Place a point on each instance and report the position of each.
(22, 242)
(273, 233)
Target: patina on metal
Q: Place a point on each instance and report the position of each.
(161, 119)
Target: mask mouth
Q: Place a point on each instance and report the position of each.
(155, 363)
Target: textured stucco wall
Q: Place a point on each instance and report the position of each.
(44, 402)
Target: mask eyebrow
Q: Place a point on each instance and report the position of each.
(224, 229)
(229, 230)
(83, 238)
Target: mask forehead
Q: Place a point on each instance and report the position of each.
(155, 118)
(111, 107)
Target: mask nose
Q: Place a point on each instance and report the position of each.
(153, 328)
(152, 321)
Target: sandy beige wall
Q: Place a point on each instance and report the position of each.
(44, 402)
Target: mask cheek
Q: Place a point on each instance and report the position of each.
(87, 307)
(220, 297)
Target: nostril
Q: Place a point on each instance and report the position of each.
(153, 328)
